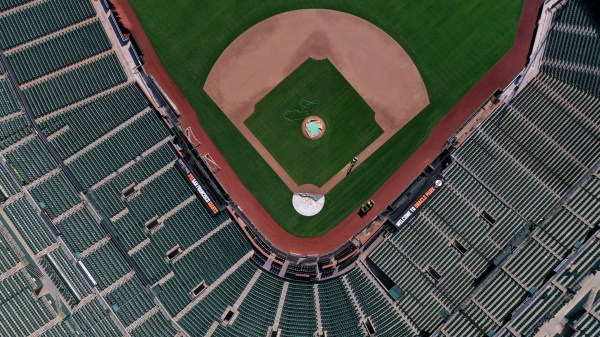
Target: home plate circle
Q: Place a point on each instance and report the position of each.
(308, 204)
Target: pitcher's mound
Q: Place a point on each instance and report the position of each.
(308, 204)
(313, 127)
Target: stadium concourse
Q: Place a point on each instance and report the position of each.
(113, 225)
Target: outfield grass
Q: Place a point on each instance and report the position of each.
(453, 43)
(314, 88)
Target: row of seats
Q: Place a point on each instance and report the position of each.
(58, 52)
(41, 18)
(75, 84)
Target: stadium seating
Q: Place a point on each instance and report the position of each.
(339, 315)
(298, 316)
(41, 18)
(29, 224)
(74, 84)
(7, 97)
(30, 160)
(58, 52)
(495, 252)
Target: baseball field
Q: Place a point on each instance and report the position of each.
(452, 43)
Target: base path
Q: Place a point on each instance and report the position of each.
(503, 72)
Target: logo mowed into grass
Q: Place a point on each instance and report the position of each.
(315, 88)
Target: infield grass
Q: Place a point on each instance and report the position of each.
(314, 88)
(453, 44)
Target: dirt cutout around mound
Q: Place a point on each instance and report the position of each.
(369, 59)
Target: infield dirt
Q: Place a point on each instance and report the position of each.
(369, 59)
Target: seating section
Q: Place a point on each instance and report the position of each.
(9, 257)
(339, 316)
(213, 302)
(573, 48)
(532, 265)
(157, 325)
(122, 146)
(23, 313)
(145, 205)
(8, 181)
(52, 54)
(110, 194)
(92, 320)
(299, 316)
(106, 265)
(129, 301)
(13, 130)
(80, 230)
(73, 129)
(257, 311)
(8, 4)
(207, 262)
(41, 18)
(55, 195)
(30, 161)
(530, 318)
(29, 224)
(75, 84)
(8, 99)
(375, 302)
(64, 276)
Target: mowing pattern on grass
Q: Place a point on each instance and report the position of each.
(453, 44)
(315, 88)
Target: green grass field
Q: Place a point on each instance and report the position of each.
(453, 43)
(314, 88)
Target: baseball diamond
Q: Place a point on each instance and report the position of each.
(446, 71)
